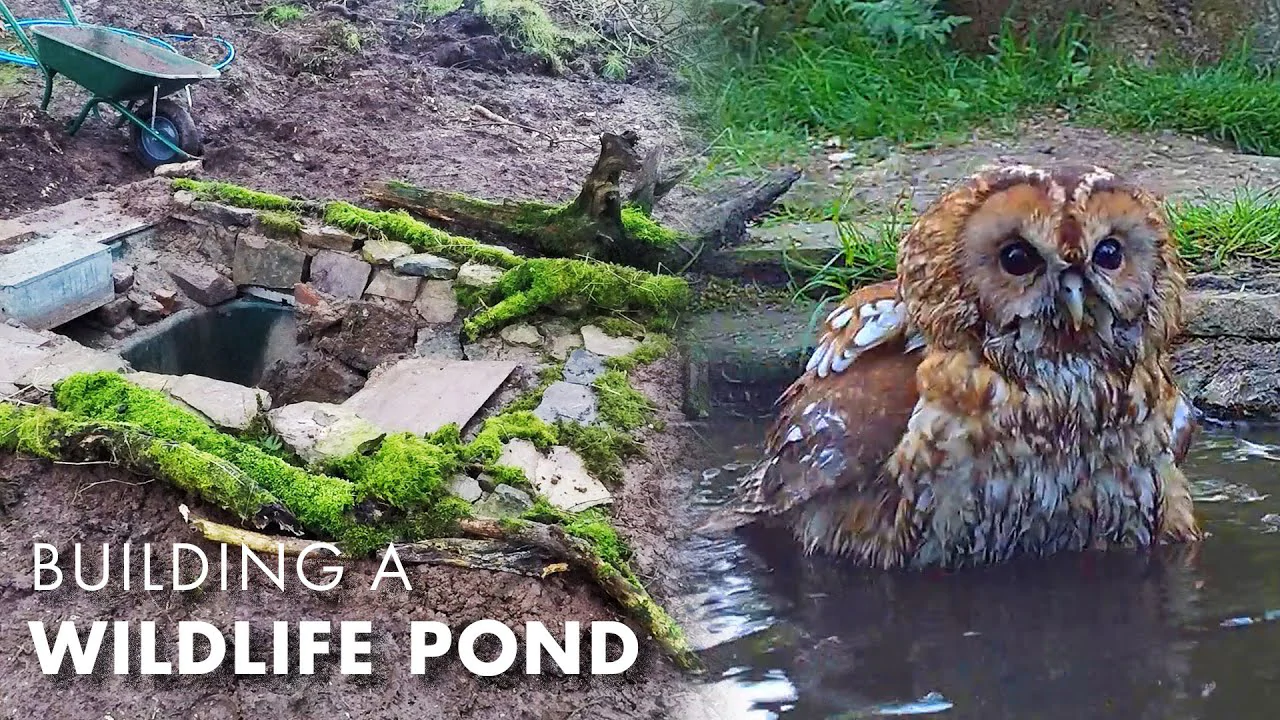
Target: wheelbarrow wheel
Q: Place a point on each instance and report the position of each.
(174, 123)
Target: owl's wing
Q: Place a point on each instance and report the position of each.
(1185, 428)
(839, 422)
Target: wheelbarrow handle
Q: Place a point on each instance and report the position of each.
(30, 47)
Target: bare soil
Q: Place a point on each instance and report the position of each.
(299, 112)
(63, 505)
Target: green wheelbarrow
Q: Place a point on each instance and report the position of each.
(132, 76)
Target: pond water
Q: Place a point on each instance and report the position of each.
(234, 342)
(1117, 635)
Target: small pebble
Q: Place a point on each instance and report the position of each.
(710, 473)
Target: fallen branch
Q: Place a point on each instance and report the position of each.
(578, 553)
(60, 436)
(465, 553)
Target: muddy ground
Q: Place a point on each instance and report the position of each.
(298, 112)
(63, 505)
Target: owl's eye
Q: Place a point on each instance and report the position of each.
(1108, 254)
(1019, 258)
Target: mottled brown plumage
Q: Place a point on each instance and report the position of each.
(1009, 394)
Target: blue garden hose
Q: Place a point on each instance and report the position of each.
(28, 61)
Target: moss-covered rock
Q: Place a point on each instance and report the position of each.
(556, 282)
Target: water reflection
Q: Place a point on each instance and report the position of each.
(1116, 635)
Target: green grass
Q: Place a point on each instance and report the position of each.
(775, 100)
(1210, 233)
(282, 14)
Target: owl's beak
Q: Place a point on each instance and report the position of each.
(1072, 291)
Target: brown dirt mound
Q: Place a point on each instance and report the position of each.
(302, 110)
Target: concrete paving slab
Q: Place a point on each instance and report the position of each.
(421, 395)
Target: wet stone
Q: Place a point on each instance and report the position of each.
(478, 275)
(504, 502)
(583, 367)
(521, 334)
(601, 343)
(436, 303)
(384, 252)
(122, 277)
(201, 283)
(393, 286)
(466, 487)
(567, 401)
(339, 275)
(427, 266)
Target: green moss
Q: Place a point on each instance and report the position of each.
(508, 475)
(237, 196)
(603, 449)
(639, 226)
(400, 225)
(486, 448)
(56, 435)
(280, 223)
(592, 526)
(620, 404)
(533, 398)
(531, 29)
(556, 282)
(318, 501)
(654, 346)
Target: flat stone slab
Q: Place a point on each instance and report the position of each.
(328, 237)
(437, 303)
(1250, 315)
(100, 219)
(226, 405)
(567, 401)
(602, 343)
(202, 283)
(384, 252)
(426, 265)
(20, 351)
(393, 286)
(583, 367)
(560, 475)
(521, 334)
(563, 478)
(267, 263)
(323, 431)
(66, 360)
(421, 395)
(479, 275)
(466, 487)
(339, 275)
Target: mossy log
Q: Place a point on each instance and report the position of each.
(63, 437)
(579, 553)
(600, 223)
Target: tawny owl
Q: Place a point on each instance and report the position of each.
(1009, 394)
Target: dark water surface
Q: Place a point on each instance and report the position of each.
(234, 342)
(1118, 635)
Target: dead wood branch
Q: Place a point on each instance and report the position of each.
(59, 436)
(578, 553)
